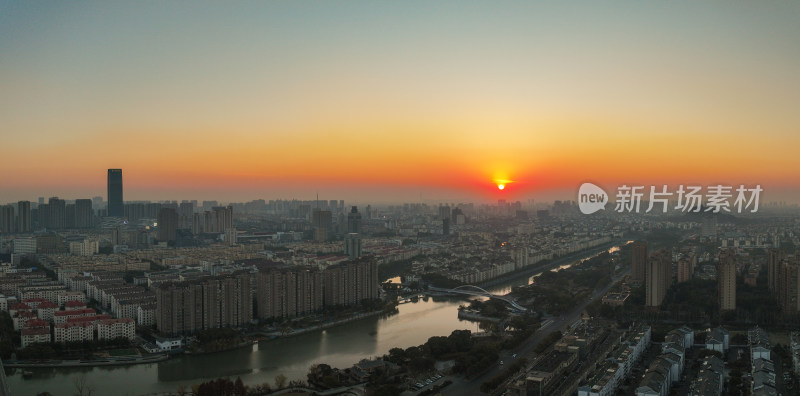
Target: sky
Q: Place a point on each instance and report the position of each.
(395, 101)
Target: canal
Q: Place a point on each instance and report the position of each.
(340, 346)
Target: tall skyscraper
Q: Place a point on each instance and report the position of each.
(658, 277)
(115, 207)
(726, 280)
(638, 261)
(167, 225)
(24, 216)
(83, 213)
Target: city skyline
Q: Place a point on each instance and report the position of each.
(380, 102)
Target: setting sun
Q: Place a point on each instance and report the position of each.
(501, 186)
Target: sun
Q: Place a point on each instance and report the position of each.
(501, 186)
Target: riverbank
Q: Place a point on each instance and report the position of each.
(243, 344)
(549, 265)
(121, 361)
(327, 325)
(467, 315)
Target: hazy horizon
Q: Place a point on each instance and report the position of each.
(380, 102)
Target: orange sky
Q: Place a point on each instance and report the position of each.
(395, 102)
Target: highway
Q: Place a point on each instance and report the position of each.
(464, 386)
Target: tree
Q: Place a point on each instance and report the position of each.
(238, 387)
(82, 385)
(280, 381)
(259, 390)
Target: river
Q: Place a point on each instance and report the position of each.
(340, 346)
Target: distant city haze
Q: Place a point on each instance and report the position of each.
(389, 102)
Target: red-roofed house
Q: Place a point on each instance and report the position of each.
(60, 317)
(46, 310)
(33, 302)
(22, 317)
(16, 307)
(37, 323)
(34, 335)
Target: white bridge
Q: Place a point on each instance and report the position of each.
(473, 290)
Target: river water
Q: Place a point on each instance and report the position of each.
(340, 346)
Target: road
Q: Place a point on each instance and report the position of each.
(464, 386)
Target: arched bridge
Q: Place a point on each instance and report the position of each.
(473, 290)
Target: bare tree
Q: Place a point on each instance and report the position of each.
(82, 385)
(280, 381)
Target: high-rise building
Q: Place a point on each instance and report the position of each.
(638, 261)
(685, 269)
(354, 221)
(352, 245)
(115, 206)
(7, 219)
(322, 222)
(658, 277)
(24, 216)
(185, 215)
(787, 285)
(709, 226)
(444, 212)
(83, 213)
(69, 216)
(218, 219)
(197, 223)
(775, 256)
(205, 303)
(287, 292)
(42, 215)
(351, 282)
(97, 203)
(231, 236)
(167, 225)
(458, 216)
(57, 217)
(726, 280)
